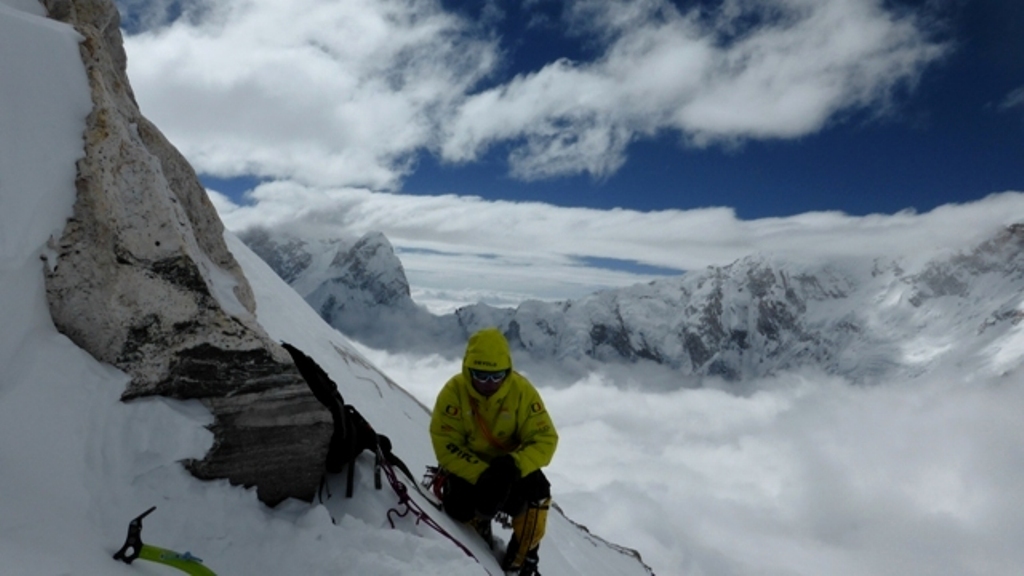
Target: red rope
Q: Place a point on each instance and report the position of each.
(412, 507)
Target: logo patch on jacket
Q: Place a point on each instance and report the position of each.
(451, 410)
(536, 408)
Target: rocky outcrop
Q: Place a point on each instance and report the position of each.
(144, 281)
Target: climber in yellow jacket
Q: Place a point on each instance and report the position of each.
(492, 435)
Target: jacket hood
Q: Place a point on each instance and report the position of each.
(487, 350)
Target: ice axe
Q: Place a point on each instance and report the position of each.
(134, 548)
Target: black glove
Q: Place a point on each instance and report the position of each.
(494, 484)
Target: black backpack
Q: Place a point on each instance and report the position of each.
(352, 433)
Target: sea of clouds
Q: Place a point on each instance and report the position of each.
(802, 473)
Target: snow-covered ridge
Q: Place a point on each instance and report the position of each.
(859, 318)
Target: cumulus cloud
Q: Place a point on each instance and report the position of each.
(469, 249)
(328, 92)
(785, 76)
(346, 94)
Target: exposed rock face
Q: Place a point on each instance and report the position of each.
(143, 280)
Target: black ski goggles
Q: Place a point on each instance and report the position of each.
(488, 377)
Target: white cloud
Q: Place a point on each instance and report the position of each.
(1015, 99)
(470, 249)
(327, 92)
(808, 475)
(663, 69)
(346, 93)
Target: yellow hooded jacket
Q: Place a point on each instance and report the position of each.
(514, 416)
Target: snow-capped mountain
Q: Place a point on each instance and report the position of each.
(337, 277)
(751, 318)
(358, 286)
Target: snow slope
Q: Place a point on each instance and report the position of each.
(76, 463)
(397, 414)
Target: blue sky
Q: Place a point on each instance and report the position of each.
(706, 122)
(949, 138)
(950, 133)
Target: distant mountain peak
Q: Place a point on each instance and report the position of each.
(753, 317)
